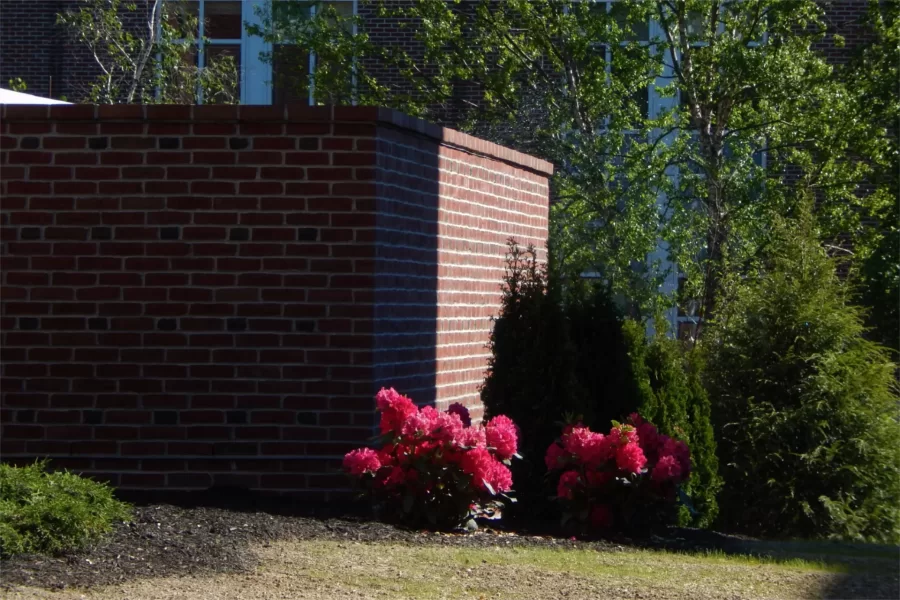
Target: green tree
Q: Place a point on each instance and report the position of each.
(874, 76)
(639, 195)
(805, 407)
(146, 54)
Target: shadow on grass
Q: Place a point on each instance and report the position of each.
(859, 570)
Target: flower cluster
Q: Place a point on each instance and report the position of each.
(613, 475)
(436, 466)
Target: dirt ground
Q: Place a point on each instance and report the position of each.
(170, 552)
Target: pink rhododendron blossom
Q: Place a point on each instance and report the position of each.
(606, 448)
(395, 409)
(471, 437)
(423, 449)
(420, 424)
(387, 455)
(636, 419)
(478, 463)
(623, 434)
(630, 458)
(582, 442)
(667, 469)
(567, 483)
(363, 460)
(458, 409)
(555, 457)
(447, 427)
(601, 516)
(588, 447)
(501, 477)
(571, 426)
(396, 476)
(501, 435)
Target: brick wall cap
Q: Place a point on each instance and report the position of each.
(445, 135)
(284, 113)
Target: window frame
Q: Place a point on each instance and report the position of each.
(255, 74)
(259, 71)
(202, 44)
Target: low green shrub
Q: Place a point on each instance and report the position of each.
(805, 407)
(50, 513)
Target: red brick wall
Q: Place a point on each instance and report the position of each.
(210, 296)
(441, 213)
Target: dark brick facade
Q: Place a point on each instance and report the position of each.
(53, 64)
(40, 52)
(846, 18)
(35, 48)
(209, 296)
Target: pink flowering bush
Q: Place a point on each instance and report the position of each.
(625, 479)
(436, 467)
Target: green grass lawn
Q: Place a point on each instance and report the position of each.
(435, 572)
(333, 570)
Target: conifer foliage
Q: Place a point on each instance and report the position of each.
(804, 405)
(672, 396)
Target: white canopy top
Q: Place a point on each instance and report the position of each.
(11, 97)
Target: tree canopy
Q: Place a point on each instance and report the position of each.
(679, 128)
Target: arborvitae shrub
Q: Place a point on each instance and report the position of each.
(672, 396)
(530, 375)
(803, 404)
(603, 367)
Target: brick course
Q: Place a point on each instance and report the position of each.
(211, 296)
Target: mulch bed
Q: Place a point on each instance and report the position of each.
(164, 540)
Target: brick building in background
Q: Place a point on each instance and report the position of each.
(35, 49)
(52, 64)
